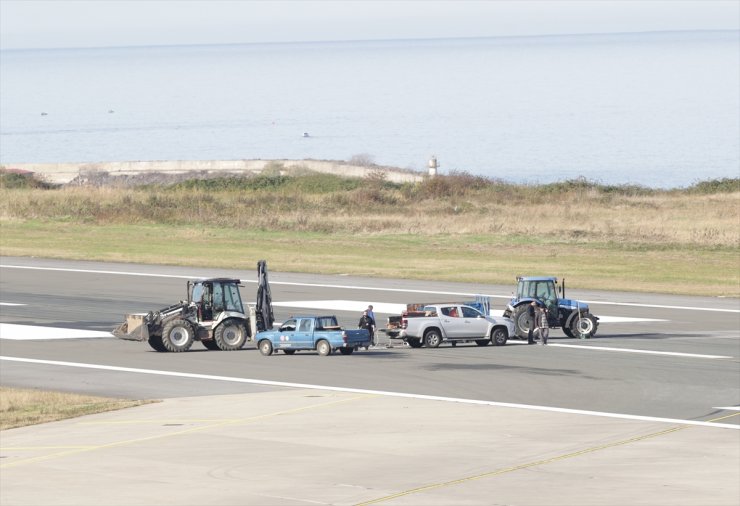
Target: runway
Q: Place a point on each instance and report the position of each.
(665, 361)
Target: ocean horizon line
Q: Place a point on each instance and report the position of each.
(584, 35)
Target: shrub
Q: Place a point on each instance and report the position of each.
(12, 179)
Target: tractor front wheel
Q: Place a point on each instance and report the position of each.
(584, 327)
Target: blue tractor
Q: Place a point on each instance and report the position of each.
(572, 316)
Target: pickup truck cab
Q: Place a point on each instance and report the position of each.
(434, 324)
(320, 333)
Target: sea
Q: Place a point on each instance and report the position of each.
(659, 109)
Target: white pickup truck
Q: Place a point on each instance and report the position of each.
(434, 324)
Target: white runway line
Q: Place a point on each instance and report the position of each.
(31, 333)
(630, 350)
(371, 288)
(729, 408)
(10, 304)
(673, 421)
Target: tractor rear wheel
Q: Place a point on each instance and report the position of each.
(230, 335)
(178, 335)
(521, 321)
(414, 342)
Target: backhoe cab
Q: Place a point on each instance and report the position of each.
(212, 314)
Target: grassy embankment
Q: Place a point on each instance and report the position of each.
(20, 407)
(456, 228)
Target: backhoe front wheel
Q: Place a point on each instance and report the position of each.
(178, 335)
(230, 335)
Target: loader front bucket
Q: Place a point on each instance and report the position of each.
(135, 328)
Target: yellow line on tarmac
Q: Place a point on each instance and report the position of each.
(223, 423)
(530, 464)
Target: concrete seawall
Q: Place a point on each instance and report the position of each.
(63, 173)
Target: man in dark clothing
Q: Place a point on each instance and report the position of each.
(367, 323)
(532, 313)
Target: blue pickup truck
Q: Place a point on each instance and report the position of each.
(320, 333)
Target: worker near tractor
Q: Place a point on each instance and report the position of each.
(532, 313)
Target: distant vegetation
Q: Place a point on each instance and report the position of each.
(457, 227)
(704, 214)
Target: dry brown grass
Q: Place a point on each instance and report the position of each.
(662, 218)
(22, 407)
(460, 228)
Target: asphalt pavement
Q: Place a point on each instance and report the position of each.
(645, 414)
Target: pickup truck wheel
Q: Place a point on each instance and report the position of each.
(289, 352)
(210, 344)
(499, 337)
(155, 342)
(346, 351)
(178, 335)
(414, 342)
(230, 335)
(482, 342)
(432, 338)
(265, 347)
(323, 347)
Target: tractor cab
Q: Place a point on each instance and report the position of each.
(215, 296)
(544, 290)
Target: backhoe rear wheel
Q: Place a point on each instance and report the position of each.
(230, 335)
(178, 335)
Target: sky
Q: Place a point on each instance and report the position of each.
(110, 23)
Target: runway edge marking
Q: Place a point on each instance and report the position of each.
(372, 392)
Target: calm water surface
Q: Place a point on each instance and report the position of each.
(660, 109)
